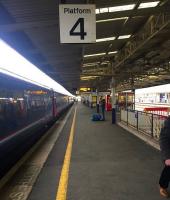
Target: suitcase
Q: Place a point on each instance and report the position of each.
(96, 117)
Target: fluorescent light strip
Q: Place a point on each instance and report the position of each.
(13, 64)
(113, 19)
(127, 7)
(105, 39)
(88, 77)
(113, 38)
(124, 37)
(95, 63)
(100, 54)
(104, 10)
(2, 98)
(105, 62)
(115, 9)
(90, 64)
(92, 55)
(148, 4)
(97, 11)
(112, 52)
(122, 8)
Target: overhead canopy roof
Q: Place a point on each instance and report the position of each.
(136, 53)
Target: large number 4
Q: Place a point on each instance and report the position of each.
(81, 33)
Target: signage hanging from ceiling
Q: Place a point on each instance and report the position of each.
(77, 23)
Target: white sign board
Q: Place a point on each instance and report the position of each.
(77, 23)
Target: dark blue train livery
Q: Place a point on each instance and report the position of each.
(26, 110)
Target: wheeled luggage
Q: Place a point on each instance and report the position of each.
(96, 117)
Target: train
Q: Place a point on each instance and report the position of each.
(26, 110)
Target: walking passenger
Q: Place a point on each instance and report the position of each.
(165, 151)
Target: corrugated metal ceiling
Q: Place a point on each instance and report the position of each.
(32, 27)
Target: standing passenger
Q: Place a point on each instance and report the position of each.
(165, 151)
(102, 104)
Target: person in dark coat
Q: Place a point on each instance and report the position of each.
(165, 152)
(102, 104)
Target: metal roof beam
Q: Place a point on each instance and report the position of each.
(97, 74)
(151, 29)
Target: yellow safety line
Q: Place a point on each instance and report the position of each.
(62, 188)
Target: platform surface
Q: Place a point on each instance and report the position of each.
(107, 163)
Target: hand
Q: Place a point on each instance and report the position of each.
(167, 162)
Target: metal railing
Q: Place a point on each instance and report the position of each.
(147, 123)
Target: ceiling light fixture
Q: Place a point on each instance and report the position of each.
(92, 55)
(148, 4)
(97, 11)
(104, 10)
(90, 64)
(105, 39)
(96, 63)
(115, 8)
(88, 77)
(113, 19)
(99, 54)
(105, 62)
(112, 52)
(122, 8)
(124, 37)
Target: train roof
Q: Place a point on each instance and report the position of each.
(14, 64)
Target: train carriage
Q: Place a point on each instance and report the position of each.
(25, 112)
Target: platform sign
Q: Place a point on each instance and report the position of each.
(77, 23)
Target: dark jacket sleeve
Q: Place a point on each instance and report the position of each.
(165, 140)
